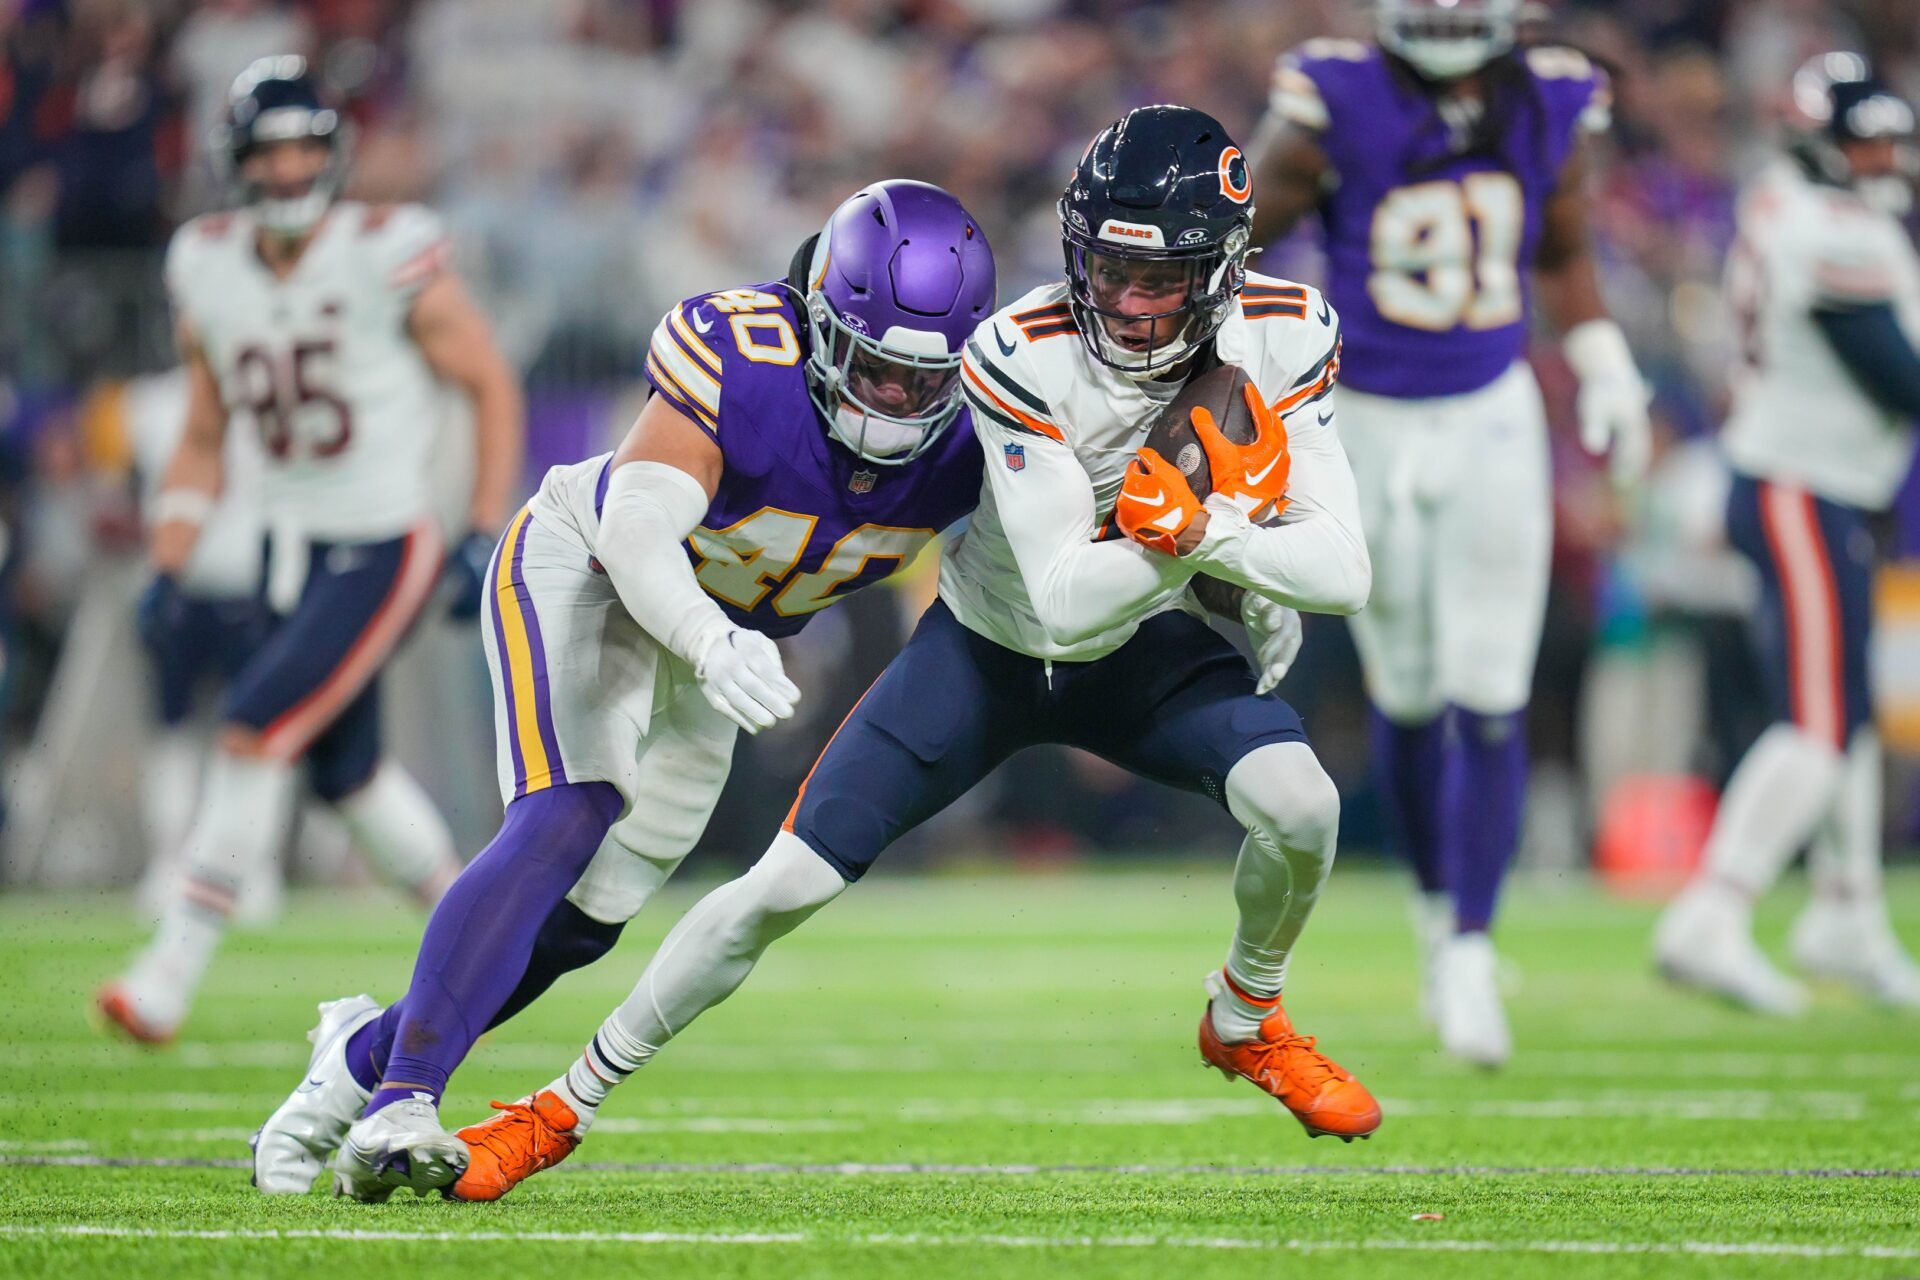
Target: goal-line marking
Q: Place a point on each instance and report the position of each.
(859, 1170)
(1710, 1248)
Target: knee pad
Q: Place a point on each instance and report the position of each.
(1281, 791)
(788, 884)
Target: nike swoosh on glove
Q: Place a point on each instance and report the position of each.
(742, 678)
(1156, 504)
(1253, 476)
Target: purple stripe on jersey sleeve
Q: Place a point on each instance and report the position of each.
(506, 666)
(600, 488)
(542, 693)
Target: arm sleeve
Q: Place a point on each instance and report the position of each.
(1876, 351)
(1315, 558)
(1079, 588)
(651, 507)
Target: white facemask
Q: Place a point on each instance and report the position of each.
(296, 216)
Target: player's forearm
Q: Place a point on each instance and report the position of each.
(1093, 587)
(1319, 564)
(651, 507)
(1877, 352)
(1568, 290)
(500, 434)
(186, 498)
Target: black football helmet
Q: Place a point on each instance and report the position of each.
(1166, 186)
(1836, 100)
(276, 100)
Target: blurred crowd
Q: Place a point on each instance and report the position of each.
(600, 159)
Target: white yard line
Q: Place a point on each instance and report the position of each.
(853, 1169)
(1709, 1248)
(761, 1115)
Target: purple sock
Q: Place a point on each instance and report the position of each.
(1482, 794)
(482, 934)
(1407, 763)
(569, 939)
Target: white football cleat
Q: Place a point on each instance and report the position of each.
(1705, 941)
(1466, 1001)
(292, 1147)
(1852, 942)
(400, 1145)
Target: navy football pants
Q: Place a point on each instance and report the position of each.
(1814, 624)
(1174, 704)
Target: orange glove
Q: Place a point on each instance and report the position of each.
(1156, 504)
(1253, 475)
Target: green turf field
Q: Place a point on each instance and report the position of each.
(997, 1077)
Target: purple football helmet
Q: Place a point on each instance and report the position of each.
(898, 279)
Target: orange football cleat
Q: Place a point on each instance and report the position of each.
(114, 1005)
(527, 1136)
(1323, 1095)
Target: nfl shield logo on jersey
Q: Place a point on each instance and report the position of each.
(862, 481)
(1016, 457)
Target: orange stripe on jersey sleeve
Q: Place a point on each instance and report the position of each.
(1025, 419)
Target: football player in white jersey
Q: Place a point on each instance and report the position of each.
(218, 625)
(332, 329)
(1826, 287)
(1446, 164)
(1046, 632)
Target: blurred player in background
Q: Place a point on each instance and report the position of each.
(806, 438)
(205, 640)
(1042, 633)
(330, 328)
(1447, 165)
(1826, 287)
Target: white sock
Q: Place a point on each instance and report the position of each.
(1845, 855)
(703, 960)
(242, 812)
(169, 786)
(401, 832)
(583, 1109)
(1292, 814)
(1781, 790)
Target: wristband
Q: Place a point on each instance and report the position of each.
(188, 506)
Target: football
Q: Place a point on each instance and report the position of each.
(1172, 434)
(1173, 437)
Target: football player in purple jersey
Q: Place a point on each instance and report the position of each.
(806, 438)
(1447, 165)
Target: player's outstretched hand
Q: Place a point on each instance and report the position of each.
(1253, 476)
(1274, 631)
(1156, 504)
(741, 675)
(158, 612)
(465, 576)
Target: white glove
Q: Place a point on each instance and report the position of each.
(1274, 631)
(741, 676)
(1613, 398)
